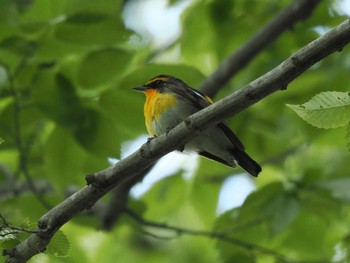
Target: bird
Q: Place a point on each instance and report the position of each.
(169, 101)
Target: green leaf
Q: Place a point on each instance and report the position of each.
(347, 136)
(272, 203)
(310, 238)
(57, 98)
(1, 140)
(64, 162)
(102, 67)
(86, 18)
(7, 234)
(18, 45)
(92, 28)
(203, 198)
(283, 210)
(114, 103)
(59, 245)
(339, 188)
(198, 35)
(103, 6)
(166, 193)
(326, 110)
(233, 253)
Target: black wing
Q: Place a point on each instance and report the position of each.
(200, 101)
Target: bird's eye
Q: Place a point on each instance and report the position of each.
(156, 84)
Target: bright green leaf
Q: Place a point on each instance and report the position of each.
(102, 67)
(272, 204)
(86, 18)
(198, 39)
(19, 45)
(282, 210)
(325, 110)
(339, 188)
(308, 238)
(348, 136)
(233, 253)
(203, 197)
(7, 234)
(166, 194)
(64, 162)
(59, 245)
(115, 102)
(92, 29)
(103, 6)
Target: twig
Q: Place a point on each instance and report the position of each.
(209, 234)
(297, 10)
(18, 137)
(14, 187)
(103, 181)
(16, 229)
(118, 200)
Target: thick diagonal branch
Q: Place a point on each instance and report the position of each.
(102, 182)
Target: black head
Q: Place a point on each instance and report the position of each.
(160, 83)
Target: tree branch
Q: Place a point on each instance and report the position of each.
(223, 236)
(15, 229)
(11, 188)
(118, 200)
(103, 181)
(297, 10)
(22, 158)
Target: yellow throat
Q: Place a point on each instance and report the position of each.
(156, 104)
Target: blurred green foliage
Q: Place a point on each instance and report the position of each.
(66, 104)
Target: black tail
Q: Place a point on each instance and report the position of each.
(246, 162)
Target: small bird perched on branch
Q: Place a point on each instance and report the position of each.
(169, 101)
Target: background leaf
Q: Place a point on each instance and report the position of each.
(102, 67)
(59, 245)
(325, 110)
(347, 136)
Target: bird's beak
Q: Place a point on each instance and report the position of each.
(140, 88)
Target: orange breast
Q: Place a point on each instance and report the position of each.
(156, 104)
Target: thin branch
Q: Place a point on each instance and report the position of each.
(18, 136)
(118, 200)
(103, 181)
(297, 10)
(21, 229)
(223, 236)
(12, 187)
(15, 229)
(7, 234)
(3, 219)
